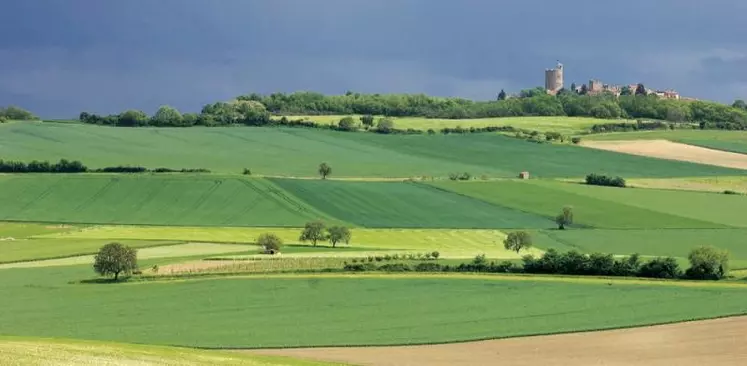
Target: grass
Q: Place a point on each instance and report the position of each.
(297, 152)
(719, 209)
(708, 184)
(36, 249)
(405, 205)
(451, 243)
(316, 311)
(24, 230)
(150, 199)
(593, 207)
(164, 251)
(565, 125)
(40, 351)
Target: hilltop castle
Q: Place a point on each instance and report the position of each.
(554, 83)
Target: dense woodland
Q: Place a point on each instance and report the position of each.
(16, 113)
(258, 110)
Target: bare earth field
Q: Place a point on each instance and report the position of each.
(664, 149)
(709, 342)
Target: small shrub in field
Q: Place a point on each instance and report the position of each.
(603, 180)
(395, 257)
(730, 192)
(427, 256)
(395, 267)
(576, 140)
(564, 218)
(379, 258)
(354, 260)
(480, 259)
(387, 257)
(454, 176)
(435, 255)
(370, 258)
(154, 268)
(247, 171)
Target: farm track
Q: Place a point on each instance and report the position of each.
(706, 342)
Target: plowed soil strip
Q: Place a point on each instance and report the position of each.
(664, 149)
(709, 342)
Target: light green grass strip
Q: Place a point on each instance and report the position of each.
(44, 351)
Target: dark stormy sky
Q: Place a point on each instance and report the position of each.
(59, 57)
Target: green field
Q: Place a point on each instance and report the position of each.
(593, 206)
(306, 311)
(35, 249)
(146, 199)
(450, 243)
(41, 351)
(394, 204)
(296, 152)
(565, 125)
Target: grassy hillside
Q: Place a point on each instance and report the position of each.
(593, 207)
(147, 199)
(42, 351)
(305, 311)
(565, 125)
(297, 152)
(396, 204)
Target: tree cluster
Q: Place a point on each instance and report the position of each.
(75, 166)
(16, 113)
(706, 263)
(256, 109)
(603, 180)
(316, 231)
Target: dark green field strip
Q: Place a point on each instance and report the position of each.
(547, 198)
(730, 146)
(294, 312)
(150, 200)
(297, 152)
(405, 205)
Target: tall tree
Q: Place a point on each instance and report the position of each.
(314, 232)
(517, 240)
(339, 234)
(573, 87)
(502, 95)
(584, 89)
(167, 116)
(739, 104)
(324, 170)
(564, 218)
(115, 258)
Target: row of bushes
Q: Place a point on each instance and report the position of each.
(639, 125)
(706, 263)
(75, 166)
(603, 180)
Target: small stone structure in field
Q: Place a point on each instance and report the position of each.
(524, 175)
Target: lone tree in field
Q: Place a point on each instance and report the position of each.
(270, 242)
(115, 258)
(564, 218)
(708, 263)
(517, 241)
(324, 170)
(314, 232)
(339, 234)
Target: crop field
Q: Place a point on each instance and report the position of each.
(297, 152)
(451, 243)
(154, 200)
(593, 206)
(35, 249)
(565, 125)
(388, 204)
(306, 311)
(708, 184)
(39, 351)
(150, 252)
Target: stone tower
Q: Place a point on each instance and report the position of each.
(554, 79)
